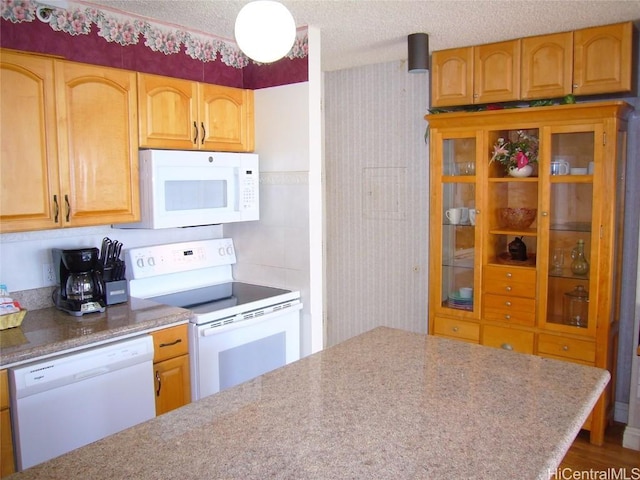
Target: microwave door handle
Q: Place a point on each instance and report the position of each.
(195, 133)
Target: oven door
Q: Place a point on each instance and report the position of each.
(231, 354)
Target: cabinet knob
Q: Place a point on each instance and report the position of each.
(544, 214)
(508, 304)
(506, 346)
(507, 317)
(509, 275)
(565, 348)
(455, 329)
(508, 289)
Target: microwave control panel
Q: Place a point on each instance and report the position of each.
(249, 196)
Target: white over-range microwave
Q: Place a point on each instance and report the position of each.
(191, 188)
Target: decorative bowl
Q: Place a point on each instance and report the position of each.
(517, 218)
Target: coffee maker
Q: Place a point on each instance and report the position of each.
(81, 286)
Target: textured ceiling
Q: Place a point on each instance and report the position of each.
(362, 32)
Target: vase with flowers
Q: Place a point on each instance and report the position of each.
(518, 155)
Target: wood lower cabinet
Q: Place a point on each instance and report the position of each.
(187, 115)
(171, 368)
(542, 305)
(69, 144)
(7, 460)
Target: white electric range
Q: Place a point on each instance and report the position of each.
(238, 331)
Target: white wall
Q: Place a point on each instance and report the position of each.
(22, 254)
(377, 200)
(284, 248)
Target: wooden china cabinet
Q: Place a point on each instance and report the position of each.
(537, 305)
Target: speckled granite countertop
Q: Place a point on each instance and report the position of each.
(387, 404)
(48, 331)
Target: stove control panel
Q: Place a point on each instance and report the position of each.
(143, 262)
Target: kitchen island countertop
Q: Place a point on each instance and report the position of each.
(49, 331)
(387, 404)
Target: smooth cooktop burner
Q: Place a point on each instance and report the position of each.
(219, 297)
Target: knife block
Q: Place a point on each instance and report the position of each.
(116, 292)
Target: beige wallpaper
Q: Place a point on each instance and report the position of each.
(377, 198)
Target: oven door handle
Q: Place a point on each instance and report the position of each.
(207, 331)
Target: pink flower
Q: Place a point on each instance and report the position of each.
(521, 159)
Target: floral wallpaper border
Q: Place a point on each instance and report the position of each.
(79, 20)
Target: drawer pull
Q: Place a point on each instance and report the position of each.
(507, 288)
(455, 329)
(170, 344)
(507, 316)
(565, 348)
(506, 346)
(508, 304)
(509, 275)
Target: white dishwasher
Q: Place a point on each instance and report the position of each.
(68, 401)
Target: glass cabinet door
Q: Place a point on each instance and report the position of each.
(458, 232)
(571, 236)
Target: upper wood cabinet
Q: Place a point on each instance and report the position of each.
(29, 157)
(69, 145)
(98, 142)
(452, 77)
(546, 66)
(603, 58)
(188, 115)
(585, 62)
(496, 72)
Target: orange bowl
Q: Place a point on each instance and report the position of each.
(517, 218)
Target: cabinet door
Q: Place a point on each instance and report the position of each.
(28, 160)
(172, 384)
(496, 68)
(226, 118)
(603, 59)
(573, 218)
(7, 465)
(168, 112)
(98, 144)
(452, 77)
(454, 234)
(546, 66)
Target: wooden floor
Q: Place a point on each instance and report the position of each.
(584, 457)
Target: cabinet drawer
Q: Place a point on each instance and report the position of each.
(510, 309)
(170, 342)
(520, 282)
(4, 389)
(459, 329)
(507, 338)
(570, 348)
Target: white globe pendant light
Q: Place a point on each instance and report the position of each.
(265, 30)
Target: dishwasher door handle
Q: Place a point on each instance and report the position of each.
(91, 373)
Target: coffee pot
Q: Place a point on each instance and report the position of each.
(81, 287)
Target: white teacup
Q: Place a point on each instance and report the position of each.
(454, 215)
(472, 216)
(466, 292)
(560, 167)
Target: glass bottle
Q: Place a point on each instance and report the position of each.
(579, 265)
(576, 307)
